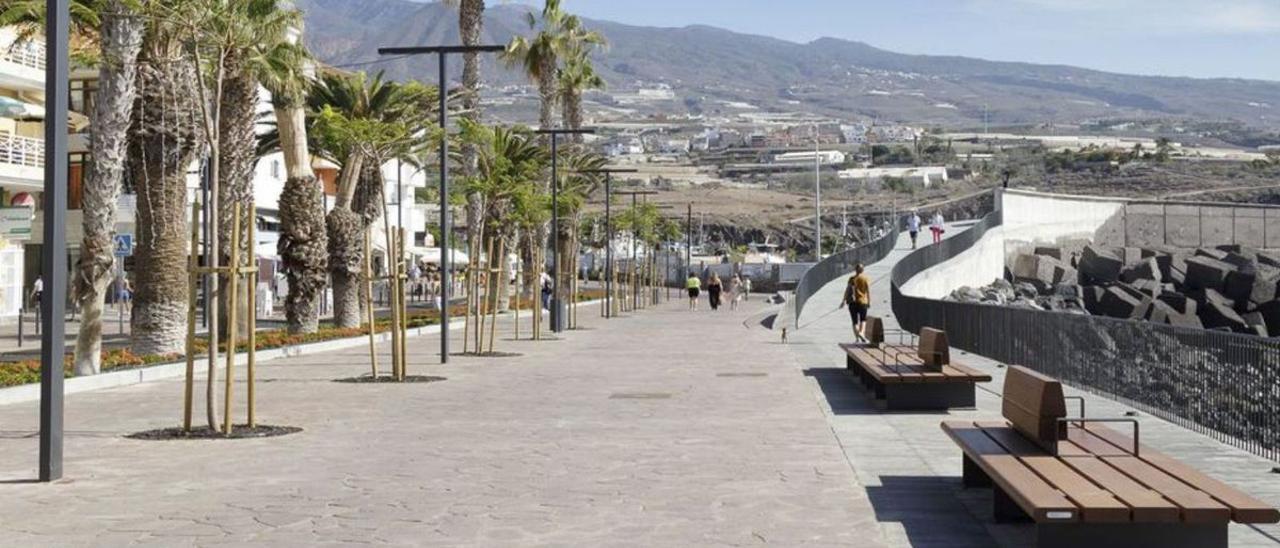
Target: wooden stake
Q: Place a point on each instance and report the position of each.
(252, 278)
(192, 278)
(391, 297)
(233, 280)
(368, 284)
(402, 280)
(499, 285)
(519, 290)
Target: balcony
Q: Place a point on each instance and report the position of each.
(21, 162)
(21, 64)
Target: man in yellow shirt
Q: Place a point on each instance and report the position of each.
(857, 296)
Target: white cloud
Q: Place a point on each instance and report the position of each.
(1150, 16)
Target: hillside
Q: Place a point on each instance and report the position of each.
(833, 76)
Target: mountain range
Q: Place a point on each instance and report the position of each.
(709, 67)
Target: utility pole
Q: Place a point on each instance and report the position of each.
(558, 310)
(53, 261)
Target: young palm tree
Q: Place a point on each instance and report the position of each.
(366, 121)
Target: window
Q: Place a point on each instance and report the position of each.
(275, 169)
(77, 162)
(83, 95)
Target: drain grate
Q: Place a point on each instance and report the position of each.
(742, 375)
(639, 396)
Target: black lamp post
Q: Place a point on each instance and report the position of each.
(442, 53)
(53, 262)
(608, 224)
(557, 301)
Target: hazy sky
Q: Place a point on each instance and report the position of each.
(1204, 38)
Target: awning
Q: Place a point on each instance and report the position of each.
(432, 255)
(21, 110)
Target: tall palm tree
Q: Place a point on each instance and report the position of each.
(577, 75)
(539, 55)
(470, 27)
(163, 141)
(116, 28)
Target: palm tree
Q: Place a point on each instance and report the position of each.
(363, 122)
(470, 27)
(576, 76)
(116, 28)
(539, 55)
(163, 141)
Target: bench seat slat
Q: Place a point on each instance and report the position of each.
(1035, 496)
(1097, 504)
(1148, 506)
(1244, 508)
(895, 364)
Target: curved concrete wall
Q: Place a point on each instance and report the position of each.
(1030, 218)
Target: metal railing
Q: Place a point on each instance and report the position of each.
(22, 151)
(841, 264)
(1223, 385)
(28, 54)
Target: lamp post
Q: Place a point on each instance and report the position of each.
(635, 294)
(442, 54)
(608, 228)
(53, 262)
(557, 301)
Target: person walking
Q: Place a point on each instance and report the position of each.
(746, 288)
(714, 289)
(547, 288)
(735, 291)
(857, 296)
(694, 286)
(37, 291)
(938, 226)
(913, 227)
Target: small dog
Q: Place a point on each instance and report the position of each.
(784, 335)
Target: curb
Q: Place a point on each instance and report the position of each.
(112, 379)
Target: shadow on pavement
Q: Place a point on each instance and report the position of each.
(930, 511)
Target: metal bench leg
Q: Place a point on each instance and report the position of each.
(1126, 535)
(1005, 509)
(973, 475)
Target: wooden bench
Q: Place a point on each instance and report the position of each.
(1084, 484)
(906, 377)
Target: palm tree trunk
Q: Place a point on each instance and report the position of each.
(470, 25)
(162, 147)
(121, 40)
(238, 139)
(346, 227)
(304, 244)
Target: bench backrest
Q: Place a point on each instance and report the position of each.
(1033, 403)
(874, 331)
(933, 349)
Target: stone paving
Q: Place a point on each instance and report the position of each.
(662, 428)
(910, 468)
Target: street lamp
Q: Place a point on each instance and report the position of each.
(557, 302)
(442, 53)
(608, 224)
(53, 262)
(635, 294)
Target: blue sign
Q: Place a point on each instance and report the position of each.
(124, 245)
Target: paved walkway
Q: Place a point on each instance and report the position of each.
(663, 428)
(910, 468)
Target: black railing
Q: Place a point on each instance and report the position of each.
(841, 264)
(1223, 385)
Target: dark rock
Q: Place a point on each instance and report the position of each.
(1268, 258)
(1055, 252)
(1093, 298)
(1132, 291)
(1146, 269)
(1149, 288)
(1100, 265)
(1211, 253)
(1179, 303)
(1256, 321)
(1239, 285)
(1218, 313)
(1239, 261)
(1205, 272)
(1118, 303)
(1270, 313)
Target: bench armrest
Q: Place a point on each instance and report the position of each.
(1081, 403)
(1083, 420)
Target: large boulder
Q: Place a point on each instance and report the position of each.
(1042, 271)
(1218, 313)
(1046, 251)
(1257, 323)
(1205, 272)
(1180, 303)
(1270, 313)
(1100, 265)
(1118, 303)
(1145, 269)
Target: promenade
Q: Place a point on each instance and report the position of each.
(665, 427)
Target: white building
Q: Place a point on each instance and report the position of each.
(925, 175)
(824, 157)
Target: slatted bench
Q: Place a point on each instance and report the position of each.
(905, 377)
(1085, 484)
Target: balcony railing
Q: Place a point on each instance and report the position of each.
(21, 151)
(28, 54)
